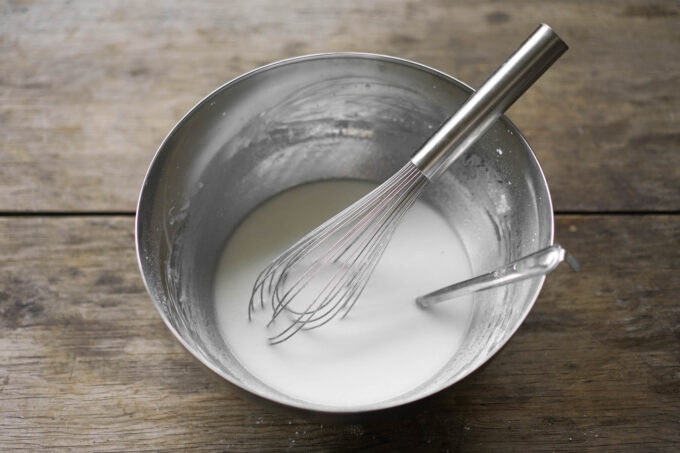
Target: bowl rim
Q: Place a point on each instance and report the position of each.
(319, 408)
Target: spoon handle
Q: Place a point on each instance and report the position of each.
(539, 263)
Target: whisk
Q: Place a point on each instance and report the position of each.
(325, 272)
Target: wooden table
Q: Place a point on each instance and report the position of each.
(89, 89)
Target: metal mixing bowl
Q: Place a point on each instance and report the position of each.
(317, 117)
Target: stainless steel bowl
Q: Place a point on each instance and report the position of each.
(340, 115)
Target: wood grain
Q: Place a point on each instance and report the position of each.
(86, 363)
(89, 89)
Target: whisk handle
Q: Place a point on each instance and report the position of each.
(488, 103)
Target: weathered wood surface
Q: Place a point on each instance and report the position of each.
(86, 362)
(89, 89)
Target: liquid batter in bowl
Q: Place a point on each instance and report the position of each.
(386, 346)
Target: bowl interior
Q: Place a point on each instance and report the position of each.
(324, 117)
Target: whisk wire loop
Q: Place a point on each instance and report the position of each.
(353, 240)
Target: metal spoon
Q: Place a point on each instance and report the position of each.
(539, 263)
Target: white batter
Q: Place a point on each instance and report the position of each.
(386, 346)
